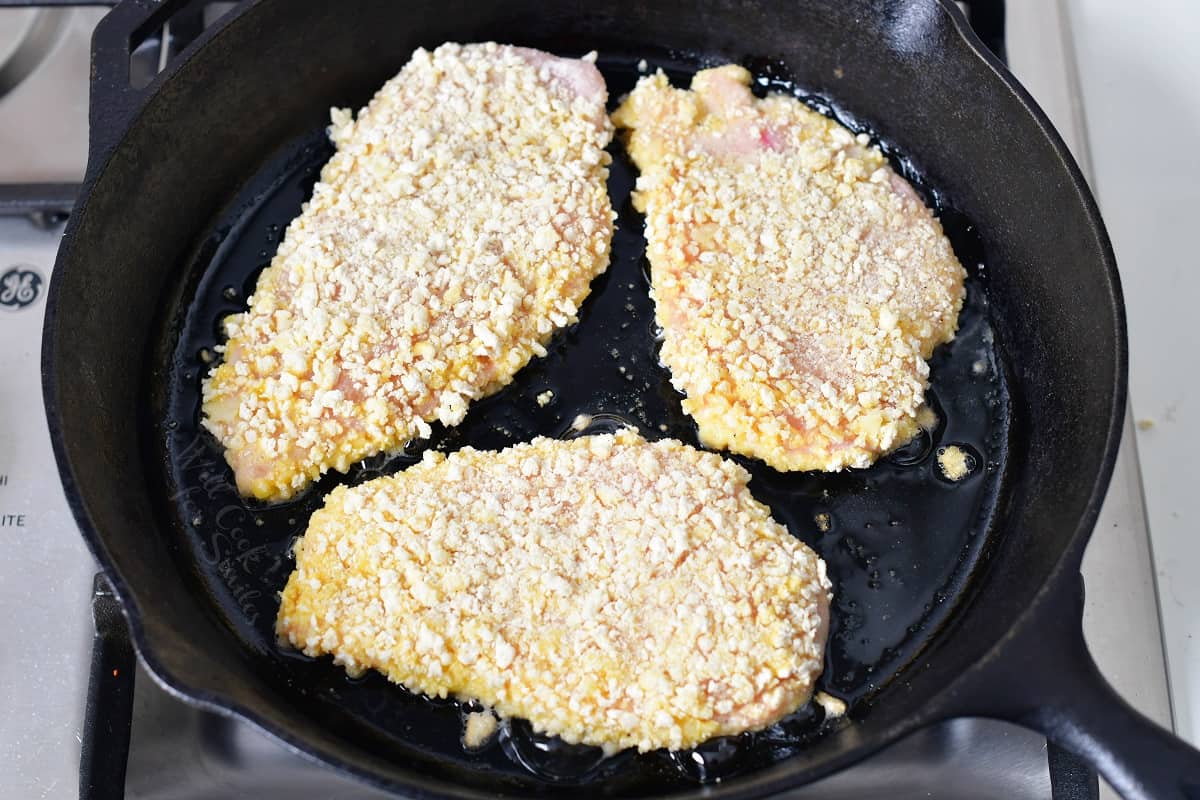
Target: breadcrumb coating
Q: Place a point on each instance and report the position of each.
(612, 591)
(478, 729)
(459, 223)
(800, 283)
(954, 462)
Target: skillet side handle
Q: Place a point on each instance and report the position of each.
(1044, 678)
(114, 102)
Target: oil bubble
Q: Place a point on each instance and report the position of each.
(548, 757)
(714, 759)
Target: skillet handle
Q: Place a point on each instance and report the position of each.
(1046, 679)
(1141, 760)
(114, 100)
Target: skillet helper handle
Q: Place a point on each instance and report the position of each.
(1046, 679)
(114, 101)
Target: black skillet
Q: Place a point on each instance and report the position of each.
(953, 599)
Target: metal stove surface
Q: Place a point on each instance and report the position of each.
(178, 752)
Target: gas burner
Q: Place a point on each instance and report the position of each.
(27, 35)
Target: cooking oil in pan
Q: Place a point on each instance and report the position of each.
(900, 540)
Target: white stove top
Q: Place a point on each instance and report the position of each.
(46, 574)
(1139, 73)
(45, 580)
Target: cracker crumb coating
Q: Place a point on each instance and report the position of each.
(800, 283)
(458, 225)
(613, 592)
(478, 729)
(954, 462)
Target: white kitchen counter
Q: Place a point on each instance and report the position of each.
(1139, 76)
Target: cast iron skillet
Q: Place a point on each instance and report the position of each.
(953, 599)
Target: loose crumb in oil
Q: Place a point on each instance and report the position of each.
(824, 522)
(478, 729)
(927, 418)
(581, 422)
(833, 707)
(643, 66)
(544, 398)
(955, 462)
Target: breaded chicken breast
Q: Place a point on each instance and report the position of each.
(800, 283)
(611, 591)
(459, 223)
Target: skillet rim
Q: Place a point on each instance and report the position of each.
(749, 785)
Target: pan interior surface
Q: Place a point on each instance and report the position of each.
(901, 541)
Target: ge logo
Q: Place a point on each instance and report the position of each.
(19, 287)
